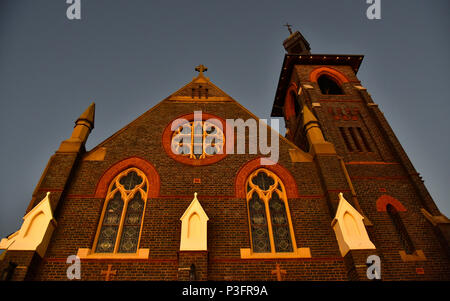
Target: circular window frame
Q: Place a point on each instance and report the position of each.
(168, 134)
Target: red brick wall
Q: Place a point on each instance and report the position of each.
(318, 184)
(385, 170)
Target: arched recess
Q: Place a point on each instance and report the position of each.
(194, 225)
(384, 200)
(146, 167)
(291, 106)
(285, 176)
(333, 73)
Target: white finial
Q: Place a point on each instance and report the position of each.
(48, 193)
(195, 195)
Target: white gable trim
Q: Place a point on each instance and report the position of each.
(35, 232)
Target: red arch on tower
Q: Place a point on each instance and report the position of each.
(333, 73)
(289, 106)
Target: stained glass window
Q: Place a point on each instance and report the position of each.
(268, 214)
(110, 227)
(258, 221)
(122, 217)
(132, 225)
(198, 140)
(130, 180)
(280, 224)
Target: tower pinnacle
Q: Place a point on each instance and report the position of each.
(81, 131)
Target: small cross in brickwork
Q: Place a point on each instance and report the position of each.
(201, 69)
(109, 272)
(289, 27)
(279, 272)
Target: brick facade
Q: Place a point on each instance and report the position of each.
(381, 174)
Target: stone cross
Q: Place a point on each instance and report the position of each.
(109, 272)
(279, 272)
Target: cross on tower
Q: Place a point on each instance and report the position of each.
(108, 272)
(289, 27)
(201, 69)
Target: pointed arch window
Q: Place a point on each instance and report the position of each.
(404, 238)
(268, 213)
(329, 86)
(292, 107)
(121, 220)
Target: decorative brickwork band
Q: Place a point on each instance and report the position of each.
(336, 75)
(384, 200)
(280, 171)
(145, 166)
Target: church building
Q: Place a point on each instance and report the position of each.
(168, 197)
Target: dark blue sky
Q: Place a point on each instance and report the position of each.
(128, 55)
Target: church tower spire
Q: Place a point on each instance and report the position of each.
(81, 131)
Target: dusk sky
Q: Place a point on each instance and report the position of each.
(126, 56)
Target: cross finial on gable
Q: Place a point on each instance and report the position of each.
(201, 69)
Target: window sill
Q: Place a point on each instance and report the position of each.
(88, 254)
(298, 253)
(418, 255)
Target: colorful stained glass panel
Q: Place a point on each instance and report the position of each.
(258, 221)
(280, 224)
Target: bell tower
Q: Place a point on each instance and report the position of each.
(329, 113)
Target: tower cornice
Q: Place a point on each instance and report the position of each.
(290, 60)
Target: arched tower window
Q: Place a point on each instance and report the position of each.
(296, 104)
(405, 240)
(291, 105)
(329, 86)
(269, 218)
(121, 220)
